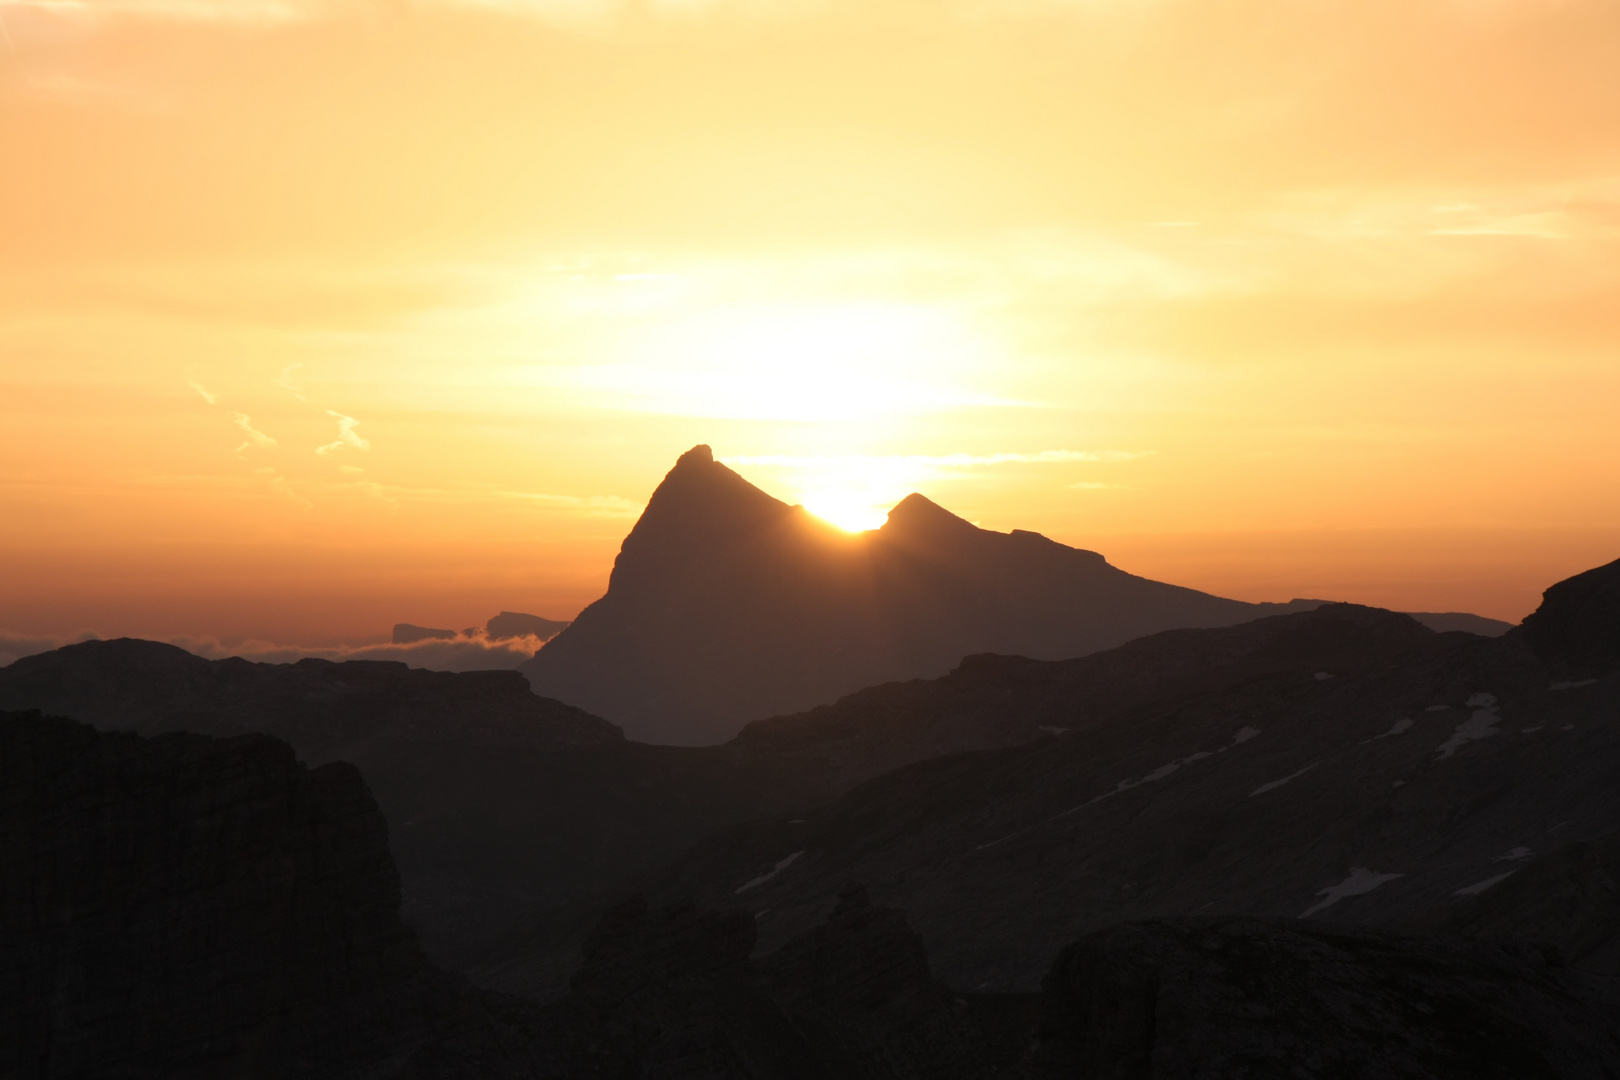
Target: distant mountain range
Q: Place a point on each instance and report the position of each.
(727, 605)
(503, 627)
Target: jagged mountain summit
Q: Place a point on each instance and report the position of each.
(728, 605)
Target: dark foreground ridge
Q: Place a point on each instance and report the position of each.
(186, 906)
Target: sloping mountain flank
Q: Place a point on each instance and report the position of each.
(1379, 785)
(988, 702)
(727, 605)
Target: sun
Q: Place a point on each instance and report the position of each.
(853, 492)
(851, 511)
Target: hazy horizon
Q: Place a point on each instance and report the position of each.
(322, 315)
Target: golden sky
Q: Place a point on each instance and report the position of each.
(317, 315)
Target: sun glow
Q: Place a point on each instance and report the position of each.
(806, 362)
(849, 510)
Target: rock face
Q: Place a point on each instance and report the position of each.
(185, 906)
(727, 605)
(1178, 999)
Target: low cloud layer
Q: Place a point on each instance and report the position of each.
(467, 653)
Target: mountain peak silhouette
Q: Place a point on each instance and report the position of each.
(702, 453)
(727, 605)
(919, 514)
(700, 506)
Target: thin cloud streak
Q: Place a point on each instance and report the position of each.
(255, 437)
(346, 436)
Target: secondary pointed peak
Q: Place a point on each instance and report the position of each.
(918, 512)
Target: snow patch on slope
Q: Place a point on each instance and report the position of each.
(1481, 724)
(1360, 882)
(763, 878)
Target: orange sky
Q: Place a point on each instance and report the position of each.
(316, 315)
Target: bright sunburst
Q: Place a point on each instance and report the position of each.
(849, 510)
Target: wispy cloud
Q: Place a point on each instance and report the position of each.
(255, 437)
(461, 653)
(211, 398)
(347, 436)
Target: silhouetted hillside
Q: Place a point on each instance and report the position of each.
(727, 605)
(1356, 767)
(503, 803)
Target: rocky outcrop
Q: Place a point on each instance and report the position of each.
(672, 992)
(1577, 625)
(186, 906)
(1179, 999)
(860, 989)
(1569, 899)
(727, 605)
